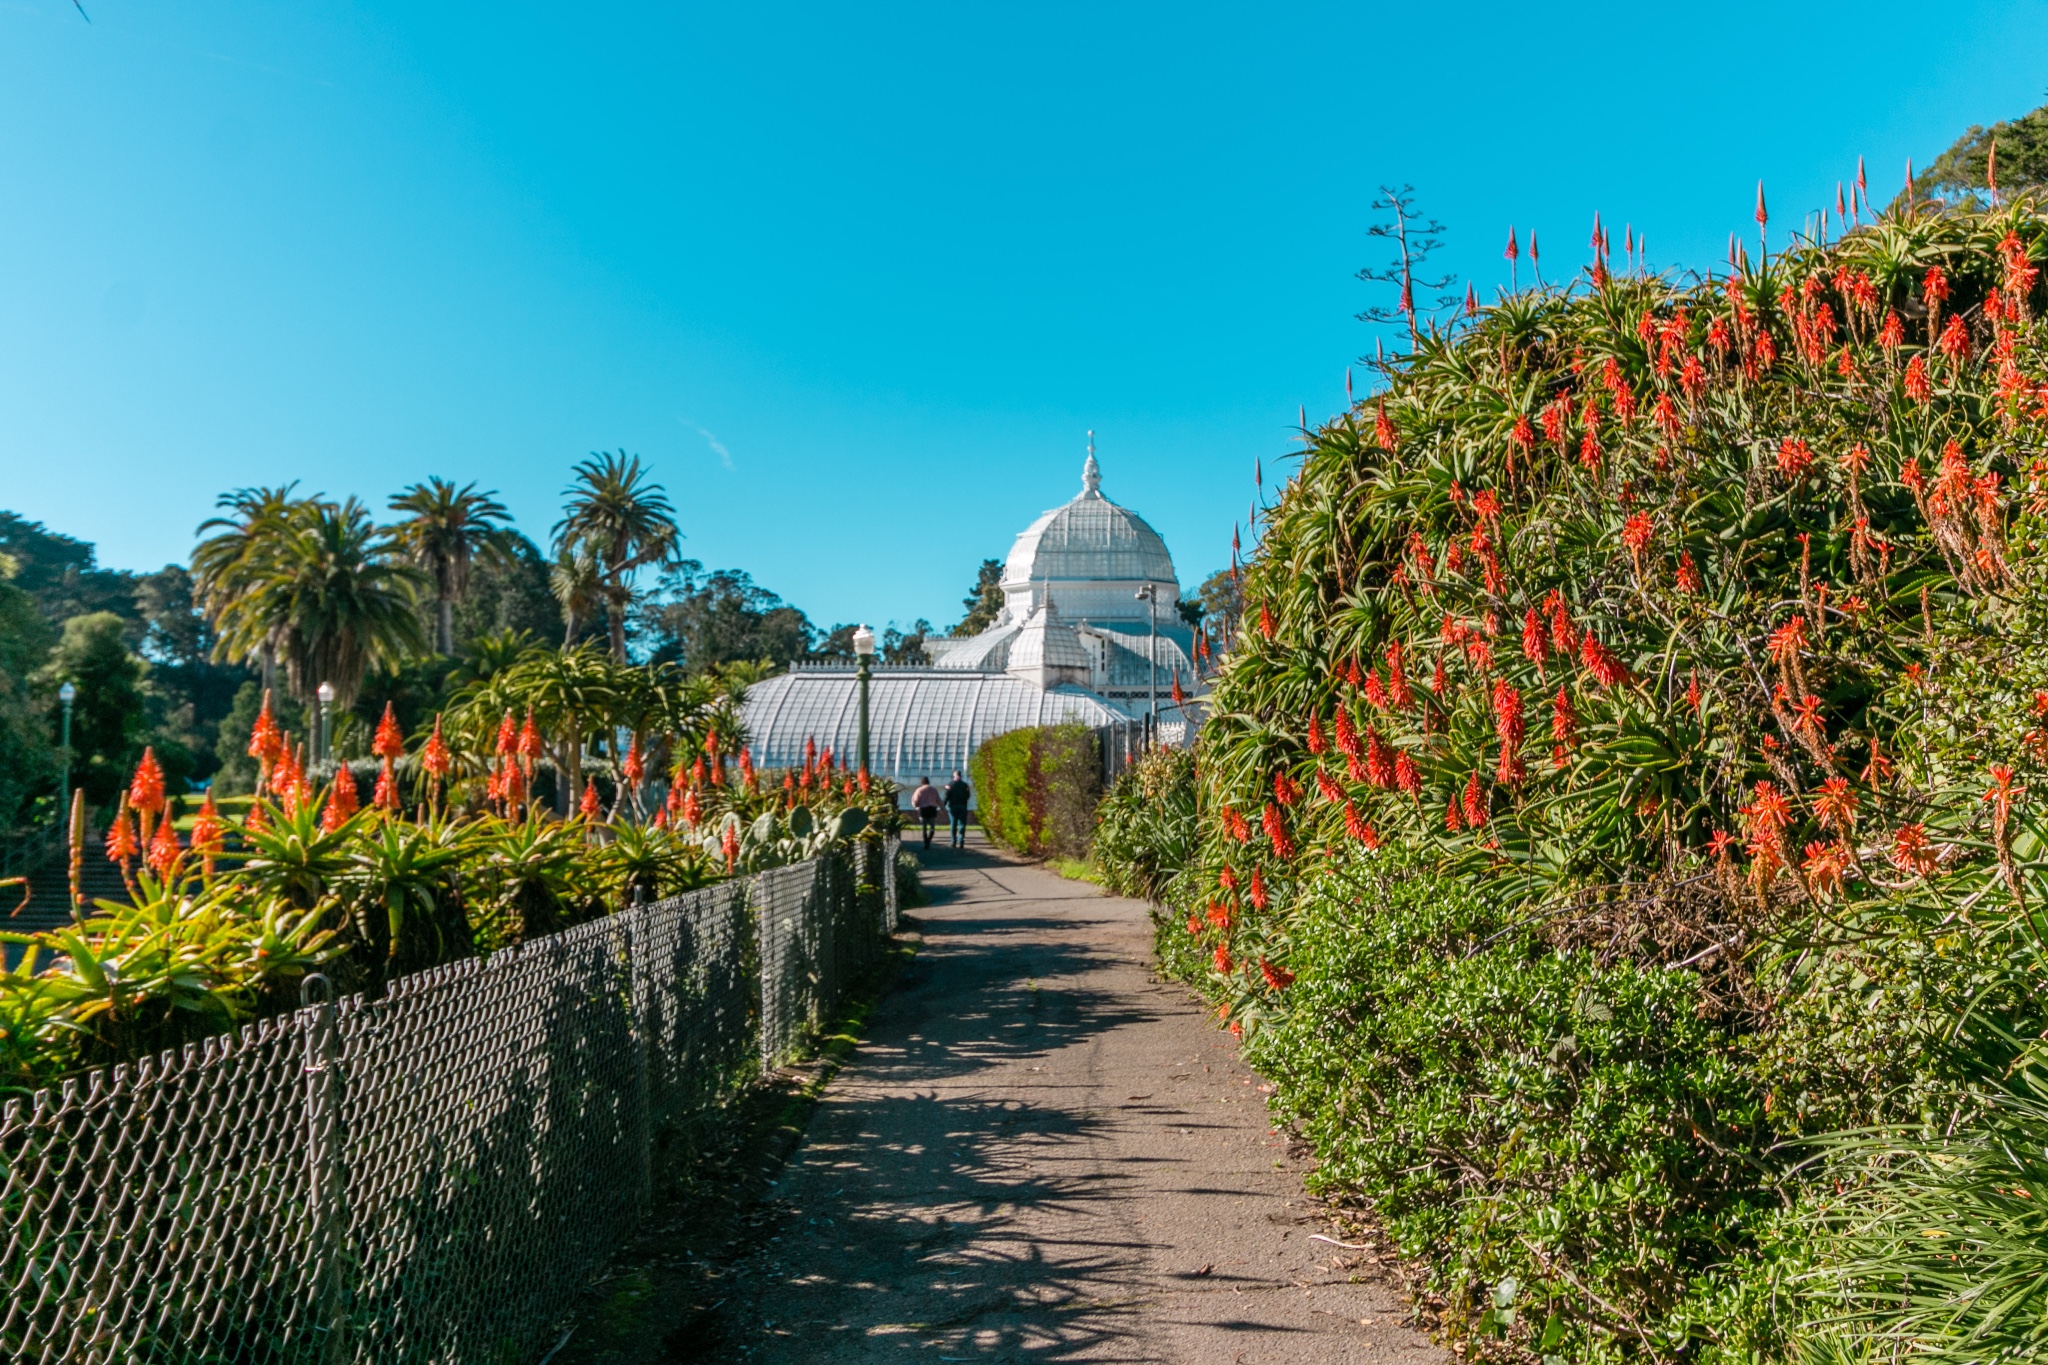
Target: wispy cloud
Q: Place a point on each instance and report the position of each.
(717, 446)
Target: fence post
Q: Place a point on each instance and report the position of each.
(637, 1004)
(323, 1178)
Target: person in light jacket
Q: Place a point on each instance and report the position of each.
(926, 802)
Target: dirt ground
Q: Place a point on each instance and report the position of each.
(1038, 1152)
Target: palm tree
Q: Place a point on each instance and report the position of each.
(333, 593)
(445, 530)
(226, 564)
(622, 521)
(574, 579)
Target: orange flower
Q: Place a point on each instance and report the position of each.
(121, 845)
(529, 739)
(1955, 340)
(1794, 457)
(1257, 890)
(1475, 804)
(266, 742)
(208, 828)
(1382, 427)
(390, 742)
(1825, 865)
(1893, 334)
(146, 790)
(1329, 787)
(1688, 577)
(1276, 830)
(508, 737)
(435, 758)
(1316, 742)
(1911, 853)
(1919, 387)
(1279, 978)
(1356, 826)
(163, 850)
(341, 801)
(1407, 776)
(386, 795)
(1835, 805)
(1222, 959)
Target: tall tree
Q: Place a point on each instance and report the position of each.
(227, 565)
(445, 529)
(624, 521)
(335, 596)
(985, 603)
(578, 588)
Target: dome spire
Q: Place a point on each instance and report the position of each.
(1091, 473)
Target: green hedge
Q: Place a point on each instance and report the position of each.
(1038, 789)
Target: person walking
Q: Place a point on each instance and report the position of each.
(958, 794)
(926, 802)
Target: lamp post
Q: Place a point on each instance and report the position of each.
(1149, 595)
(863, 664)
(66, 694)
(325, 720)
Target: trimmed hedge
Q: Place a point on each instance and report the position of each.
(1039, 788)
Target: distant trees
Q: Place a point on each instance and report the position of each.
(287, 590)
(701, 620)
(1960, 174)
(985, 602)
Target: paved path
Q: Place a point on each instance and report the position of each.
(1040, 1153)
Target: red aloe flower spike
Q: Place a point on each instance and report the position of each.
(1257, 890)
(1356, 826)
(1329, 787)
(1911, 853)
(163, 851)
(385, 797)
(1222, 961)
(435, 758)
(1475, 804)
(1893, 334)
(1688, 576)
(146, 790)
(121, 845)
(1407, 776)
(1317, 744)
(1279, 978)
(341, 801)
(1383, 427)
(390, 741)
(1955, 340)
(1834, 806)
(1276, 831)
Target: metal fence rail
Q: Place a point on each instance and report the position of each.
(427, 1177)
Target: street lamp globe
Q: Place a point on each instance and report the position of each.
(863, 641)
(67, 694)
(326, 693)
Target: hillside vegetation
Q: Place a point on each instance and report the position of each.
(1620, 791)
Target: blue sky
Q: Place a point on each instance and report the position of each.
(854, 279)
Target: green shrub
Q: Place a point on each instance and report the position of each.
(1563, 1140)
(1146, 829)
(1038, 789)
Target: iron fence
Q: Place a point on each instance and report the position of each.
(426, 1177)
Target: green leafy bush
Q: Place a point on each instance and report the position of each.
(1037, 789)
(1146, 829)
(1686, 639)
(1562, 1138)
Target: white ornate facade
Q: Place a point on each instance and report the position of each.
(1077, 639)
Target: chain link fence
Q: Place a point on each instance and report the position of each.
(426, 1177)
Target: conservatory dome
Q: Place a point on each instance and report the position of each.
(1090, 630)
(1090, 539)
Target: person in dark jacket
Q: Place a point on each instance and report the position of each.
(958, 794)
